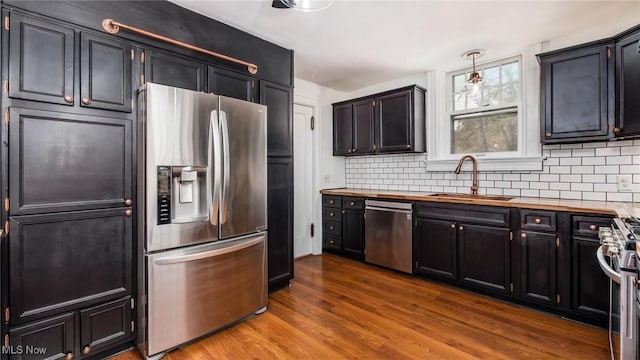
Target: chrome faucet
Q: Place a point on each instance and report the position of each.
(474, 186)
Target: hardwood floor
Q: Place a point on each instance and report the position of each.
(341, 309)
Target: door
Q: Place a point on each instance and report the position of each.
(363, 139)
(65, 260)
(303, 186)
(40, 60)
(342, 129)
(353, 233)
(589, 284)
(53, 338)
(485, 257)
(394, 121)
(63, 162)
(279, 102)
(232, 84)
(538, 266)
(243, 200)
(190, 295)
(627, 80)
(169, 69)
(106, 325)
(436, 248)
(280, 220)
(105, 73)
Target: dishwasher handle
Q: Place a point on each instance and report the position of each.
(388, 209)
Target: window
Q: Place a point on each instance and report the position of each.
(485, 117)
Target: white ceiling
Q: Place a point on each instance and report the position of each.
(358, 43)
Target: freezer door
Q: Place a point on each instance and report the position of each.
(243, 205)
(179, 151)
(194, 291)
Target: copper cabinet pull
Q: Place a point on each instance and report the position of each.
(547, 134)
(352, 203)
(69, 356)
(344, 212)
(331, 227)
(537, 221)
(86, 350)
(128, 212)
(86, 100)
(592, 227)
(523, 236)
(354, 150)
(128, 202)
(408, 146)
(330, 201)
(331, 242)
(68, 99)
(331, 214)
(461, 228)
(453, 226)
(617, 130)
(350, 150)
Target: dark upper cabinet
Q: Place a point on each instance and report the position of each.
(538, 267)
(105, 79)
(363, 127)
(342, 129)
(232, 84)
(575, 88)
(279, 102)
(628, 85)
(166, 68)
(105, 325)
(61, 162)
(40, 60)
(353, 233)
(435, 248)
(389, 122)
(484, 257)
(56, 336)
(280, 221)
(62, 261)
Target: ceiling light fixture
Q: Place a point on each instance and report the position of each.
(474, 77)
(308, 5)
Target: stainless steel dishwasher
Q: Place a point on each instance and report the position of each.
(388, 234)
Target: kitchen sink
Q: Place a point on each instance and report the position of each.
(471, 196)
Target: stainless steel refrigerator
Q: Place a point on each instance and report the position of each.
(202, 186)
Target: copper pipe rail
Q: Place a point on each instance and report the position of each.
(113, 27)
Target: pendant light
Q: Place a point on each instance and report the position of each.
(308, 5)
(474, 77)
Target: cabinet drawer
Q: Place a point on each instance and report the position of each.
(352, 203)
(332, 227)
(331, 214)
(538, 220)
(55, 335)
(105, 325)
(331, 242)
(331, 201)
(489, 215)
(587, 226)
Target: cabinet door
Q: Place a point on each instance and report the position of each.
(55, 336)
(353, 233)
(169, 69)
(342, 129)
(105, 325)
(574, 90)
(627, 80)
(485, 258)
(363, 138)
(436, 248)
(105, 73)
(40, 60)
(589, 284)
(279, 101)
(232, 84)
(538, 267)
(61, 162)
(394, 122)
(280, 220)
(62, 261)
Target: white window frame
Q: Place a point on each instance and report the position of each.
(439, 123)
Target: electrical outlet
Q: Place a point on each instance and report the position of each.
(624, 183)
(326, 178)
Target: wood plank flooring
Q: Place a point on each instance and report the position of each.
(341, 309)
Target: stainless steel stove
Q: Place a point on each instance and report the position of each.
(617, 256)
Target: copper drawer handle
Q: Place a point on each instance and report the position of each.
(69, 356)
(331, 214)
(523, 236)
(86, 100)
(617, 130)
(128, 202)
(537, 221)
(461, 228)
(331, 242)
(331, 227)
(128, 212)
(69, 99)
(352, 203)
(453, 226)
(547, 134)
(86, 350)
(330, 201)
(344, 212)
(592, 227)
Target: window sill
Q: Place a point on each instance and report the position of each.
(503, 164)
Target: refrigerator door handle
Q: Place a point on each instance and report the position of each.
(209, 254)
(225, 163)
(213, 177)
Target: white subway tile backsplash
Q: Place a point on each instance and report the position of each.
(573, 171)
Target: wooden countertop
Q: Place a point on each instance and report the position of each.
(620, 209)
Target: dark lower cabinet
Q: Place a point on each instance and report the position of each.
(41, 62)
(436, 248)
(353, 233)
(60, 262)
(485, 257)
(538, 268)
(280, 221)
(343, 225)
(165, 68)
(105, 325)
(590, 286)
(232, 84)
(53, 338)
(279, 102)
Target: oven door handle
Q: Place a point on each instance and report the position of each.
(604, 265)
